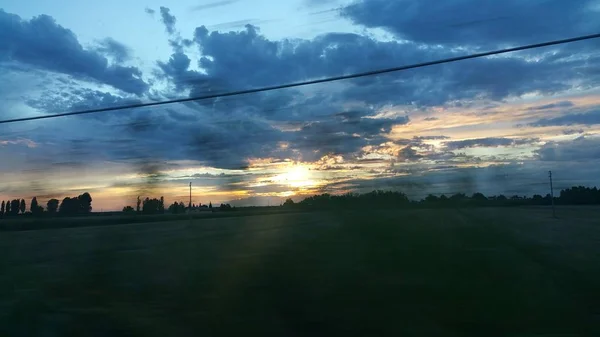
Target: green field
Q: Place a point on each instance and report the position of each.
(475, 272)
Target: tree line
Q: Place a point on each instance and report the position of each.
(81, 204)
(578, 195)
(157, 206)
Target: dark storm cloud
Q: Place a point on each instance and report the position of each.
(215, 4)
(227, 56)
(228, 144)
(471, 22)
(322, 123)
(588, 118)
(409, 154)
(42, 43)
(486, 142)
(168, 19)
(115, 49)
(580, 149)
(78, 99)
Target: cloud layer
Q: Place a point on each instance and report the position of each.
(441, 128)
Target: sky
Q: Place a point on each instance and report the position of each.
(494, 125)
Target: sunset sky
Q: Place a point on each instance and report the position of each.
(493, 125)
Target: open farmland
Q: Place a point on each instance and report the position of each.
(448, 272)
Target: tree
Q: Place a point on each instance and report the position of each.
(22, 206)
(8, 208)
(152, 206)
(128, 209)
(34, 205)
(85, 202)
(161, 205)
(81, 204)
(2, 209)
(210, 205)
(177, 208)
(52, 206)
(35, 208)
(288, 202)
(431, 199)
(15, 206)
(138, 204)
(67, 206)
(225, 207)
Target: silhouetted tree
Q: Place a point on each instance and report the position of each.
(177, 208)
(15, 206)
(85, 202)
(288, 203)
(138, 204)
(52, 206)
(2, 209)
(210, 205)
(76, 205)
(580, 195)
(431, 199)
(68, 206)
(8, 210)
(152, 206)
(35, 208)
(22, 206)
(128, 209)
(161, 205)
(34, 205)
(225, 207)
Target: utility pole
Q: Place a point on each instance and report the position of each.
(552, 194)
(190, 204)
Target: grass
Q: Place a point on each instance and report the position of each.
(479, 272)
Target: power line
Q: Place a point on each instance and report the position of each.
(311, 82)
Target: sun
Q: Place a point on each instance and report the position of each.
(296, 176)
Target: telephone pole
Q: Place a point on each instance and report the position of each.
(190, 204)
(552, 194)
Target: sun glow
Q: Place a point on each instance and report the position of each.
(296, 176)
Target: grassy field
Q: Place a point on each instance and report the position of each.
(478, 272)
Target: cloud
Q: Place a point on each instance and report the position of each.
(562, 104)
(227, 55)
(43, 44)
(301, 124)
(469, 22)
(149, 11)
(315, 3)
(588, 118)
(168, 19)
(409, 154)
(115, 49)
(239, 23)
(317, 120)
(580, 149)
(572, 131)
(215, 4)
(487, 142)
(78, 99)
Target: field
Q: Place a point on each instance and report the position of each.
(451, 272)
